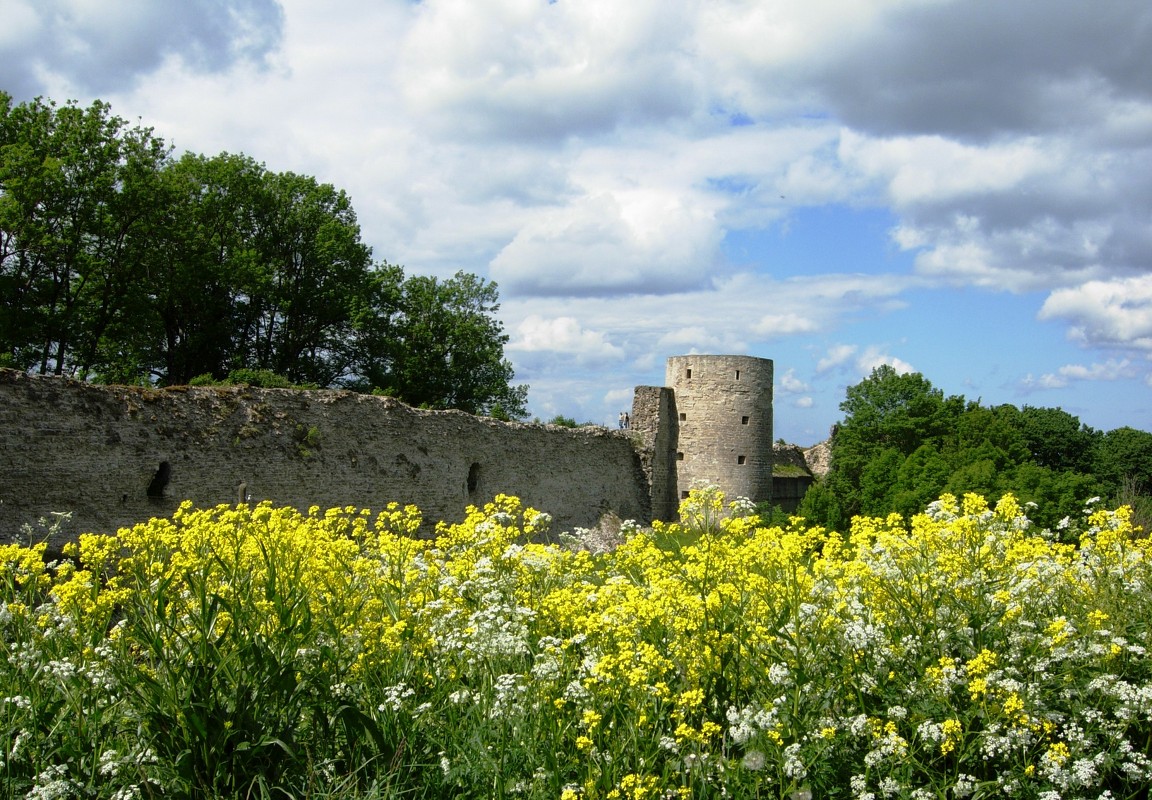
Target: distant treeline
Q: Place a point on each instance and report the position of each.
(122, 263)
(903, 443)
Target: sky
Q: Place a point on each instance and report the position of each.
(960, 189)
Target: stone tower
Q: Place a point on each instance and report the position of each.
(724, 415)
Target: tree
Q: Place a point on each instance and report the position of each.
(119, 263)
(76, 200)
(444, 348)
(902, 444)
(199, 268)
(1123, 459)
(889, 416)
(889, 409)
(1056, 439)
(310, 274)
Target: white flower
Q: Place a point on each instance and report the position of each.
(793, 767)
(965, 785)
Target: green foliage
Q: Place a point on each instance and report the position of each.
(903, 443)
(122, 264)
(307, 439)
(1123, 457)
(563, 421)
(440, 347)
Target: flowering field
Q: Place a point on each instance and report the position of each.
(258, 652)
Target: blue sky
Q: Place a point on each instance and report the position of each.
(960, 189)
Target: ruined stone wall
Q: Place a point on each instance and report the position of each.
(724, 413)
(100, 452)
(653, 422)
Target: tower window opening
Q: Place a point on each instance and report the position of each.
(679, 456)
(683, 416)
(688, 373)
(737, 374)
(683, 495)
(743, 420)
(741, 459)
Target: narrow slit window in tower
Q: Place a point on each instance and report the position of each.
(688, 373)
(737, 374)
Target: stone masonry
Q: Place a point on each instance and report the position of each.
(113, 456)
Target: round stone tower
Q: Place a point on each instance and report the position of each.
(724, 414)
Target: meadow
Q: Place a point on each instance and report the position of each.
(255, 651)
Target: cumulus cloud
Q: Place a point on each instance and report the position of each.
(532, 70)
(565, 335)
(836, 356)
(861, 362)
(1111, 370)
(790, 384)
(890, 66)
(597, 159)
(610, 243)
(1110, 314)
(874, 357)
(774, 325)
(69, 45)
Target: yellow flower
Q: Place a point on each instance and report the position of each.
(952, 729)
(1058, 753)
(590, 719)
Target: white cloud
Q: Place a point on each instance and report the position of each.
(1115, 313)
(790, 384)
(608, 243)
(562, 335)
(597, 159)
(691, 339)
(531, 70)
(803, 402)
(837, 355)
(1111, 370)
(935, 169)
(76, 46)
(774, 325)
(874, 357)
(620, 397)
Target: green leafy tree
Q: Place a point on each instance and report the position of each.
(310, 274)
(1123, 458)
(119, 263)
(76, 204)
(1057, 439)
(889, 416)
(201, 269)
(444, 347)
(902, 444)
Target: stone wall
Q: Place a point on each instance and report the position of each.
(114, 456)
(791, 476)
(653, 422)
